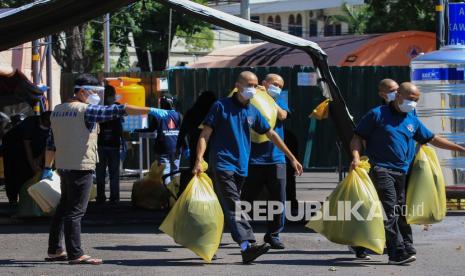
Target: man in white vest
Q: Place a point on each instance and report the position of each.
(73, 147)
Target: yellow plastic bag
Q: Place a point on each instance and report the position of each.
(321, 111)
(196, 219)
(426, 190)
(149, 193)
(173, 188)
(267, 107)
(344, 228)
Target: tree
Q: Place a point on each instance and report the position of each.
(76, 49)
(356, 17)
(80, 48)
(148, 21)
(397, 15)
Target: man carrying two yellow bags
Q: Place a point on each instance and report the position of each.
(229, 123)
(390, 132)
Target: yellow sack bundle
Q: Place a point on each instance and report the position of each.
(339, 225)
(426, 190)
(321, 111)
(267, 107)
(173, 188)
(149, 193)
(196, 219)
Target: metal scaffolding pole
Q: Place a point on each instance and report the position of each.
(245, 13)
(35, 69)
(440, 28)
(48, 66)
(106, 43)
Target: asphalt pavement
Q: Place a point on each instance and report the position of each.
(129, 242)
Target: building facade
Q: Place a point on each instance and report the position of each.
(304, 18)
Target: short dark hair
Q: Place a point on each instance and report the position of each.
(85, 79)
(166, 101)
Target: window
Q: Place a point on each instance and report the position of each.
(298, 27)
(329, 30)
(255, 19)
(269, 22)
(291, 24)
(277, 22)
(337, 29)
(333, 29)
(313, 28)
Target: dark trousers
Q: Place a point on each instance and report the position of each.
(390, 186)
(75, 191)
(273, 177)
(228, 187)
(16, 170)
(291, 194)
(108, 157)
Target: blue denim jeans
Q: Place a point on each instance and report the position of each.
(171, 162)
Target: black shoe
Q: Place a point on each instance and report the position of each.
(100, 200)
(214, 258)
(402, 259)
(360, 252)
(410, 250)
(254, 251)
(274, 242)
(362, 256)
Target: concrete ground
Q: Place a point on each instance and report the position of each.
(130, 244)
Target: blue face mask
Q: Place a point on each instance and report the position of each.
(274, 91)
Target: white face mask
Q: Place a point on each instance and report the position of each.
(391, 96)
(407, 106)
(274, 91)
(93, 99)
(248, 93)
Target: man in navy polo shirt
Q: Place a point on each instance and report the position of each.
(390, 132)
(267, 166)
(387, 90)
(228, 124)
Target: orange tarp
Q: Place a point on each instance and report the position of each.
(393, 49)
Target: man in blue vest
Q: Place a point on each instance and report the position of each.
(228, 125)
(390, 132)
(267, 166)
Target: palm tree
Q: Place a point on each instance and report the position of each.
(355, 16)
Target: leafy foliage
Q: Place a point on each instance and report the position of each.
(355, 16)
(401, 15)
(80, 48)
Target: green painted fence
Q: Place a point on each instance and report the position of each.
(358, 86)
